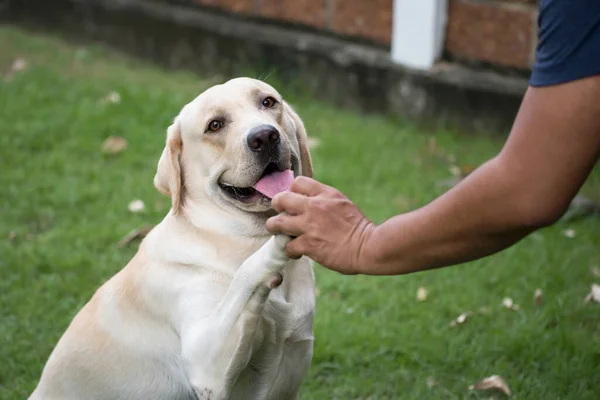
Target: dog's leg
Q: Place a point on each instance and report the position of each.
(217, 348)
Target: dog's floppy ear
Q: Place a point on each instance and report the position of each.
(168, 178)
(305, 159)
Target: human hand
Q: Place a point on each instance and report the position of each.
(325, 224)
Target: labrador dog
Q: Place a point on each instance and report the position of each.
(210, 307)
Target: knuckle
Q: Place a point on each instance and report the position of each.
(294, 249)
(317, 203)
(299, 182)
(336, 194)
(273, 223)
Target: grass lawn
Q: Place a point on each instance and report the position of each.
(63, 208)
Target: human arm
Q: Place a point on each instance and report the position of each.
(554, 144)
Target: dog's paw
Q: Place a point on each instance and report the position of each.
(281, 241)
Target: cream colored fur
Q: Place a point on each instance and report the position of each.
(193, 314)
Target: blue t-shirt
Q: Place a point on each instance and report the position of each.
(569, 41)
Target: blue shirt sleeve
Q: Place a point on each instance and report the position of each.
(568, 41)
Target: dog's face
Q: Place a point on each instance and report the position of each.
(236, 145)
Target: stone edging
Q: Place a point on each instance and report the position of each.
(348, 74)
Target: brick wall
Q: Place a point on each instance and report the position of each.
(498, 32)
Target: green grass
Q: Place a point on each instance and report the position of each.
(63, 208)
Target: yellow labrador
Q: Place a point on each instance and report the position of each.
(201, 311)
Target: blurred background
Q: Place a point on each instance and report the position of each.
(401, 100)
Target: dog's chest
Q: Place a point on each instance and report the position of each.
(286, 320)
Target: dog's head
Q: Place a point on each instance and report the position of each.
(235, 145)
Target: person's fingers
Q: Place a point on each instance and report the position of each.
(286, 224)
(307, 186)
(296, 248)
(291, 203)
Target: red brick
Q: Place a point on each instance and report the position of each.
(235, 6)
(370, 19)
(493, 32)
(307, 12)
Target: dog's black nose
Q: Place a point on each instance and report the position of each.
(263, 138)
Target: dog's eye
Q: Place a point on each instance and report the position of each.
(215, 125)
(269, 102)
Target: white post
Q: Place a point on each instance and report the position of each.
(418, 32)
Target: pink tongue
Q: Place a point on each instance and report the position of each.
(275, 182)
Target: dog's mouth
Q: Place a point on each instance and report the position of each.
(273, 180)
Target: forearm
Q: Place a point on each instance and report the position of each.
(487, 212)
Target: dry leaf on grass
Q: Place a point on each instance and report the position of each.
(431, 382)
(136, 206)
(114, 145)
(596, 271)
(538, 297)
(458, 174)
(461, 319)
(135, 234)
(421, 294)
(17, 66)
(455, 171)
(111, 98)
(466, 170)
(507, 302)
(594, 294)
(581, 207)
(494, 382)
(313, 142)
(570, 233)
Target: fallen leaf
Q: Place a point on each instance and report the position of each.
(114, 145)
(17, 66)
(312, 142)
(466, 170)
(421, 294)
(538, 297)
(431, 382)
(135, 234)
(594, 294)
(570, 233)
(461, 319)
(596, 271)
(455, 170)
(136, 206)
(581, 207)
(111, 98)
(494, 382)
(508, 303)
